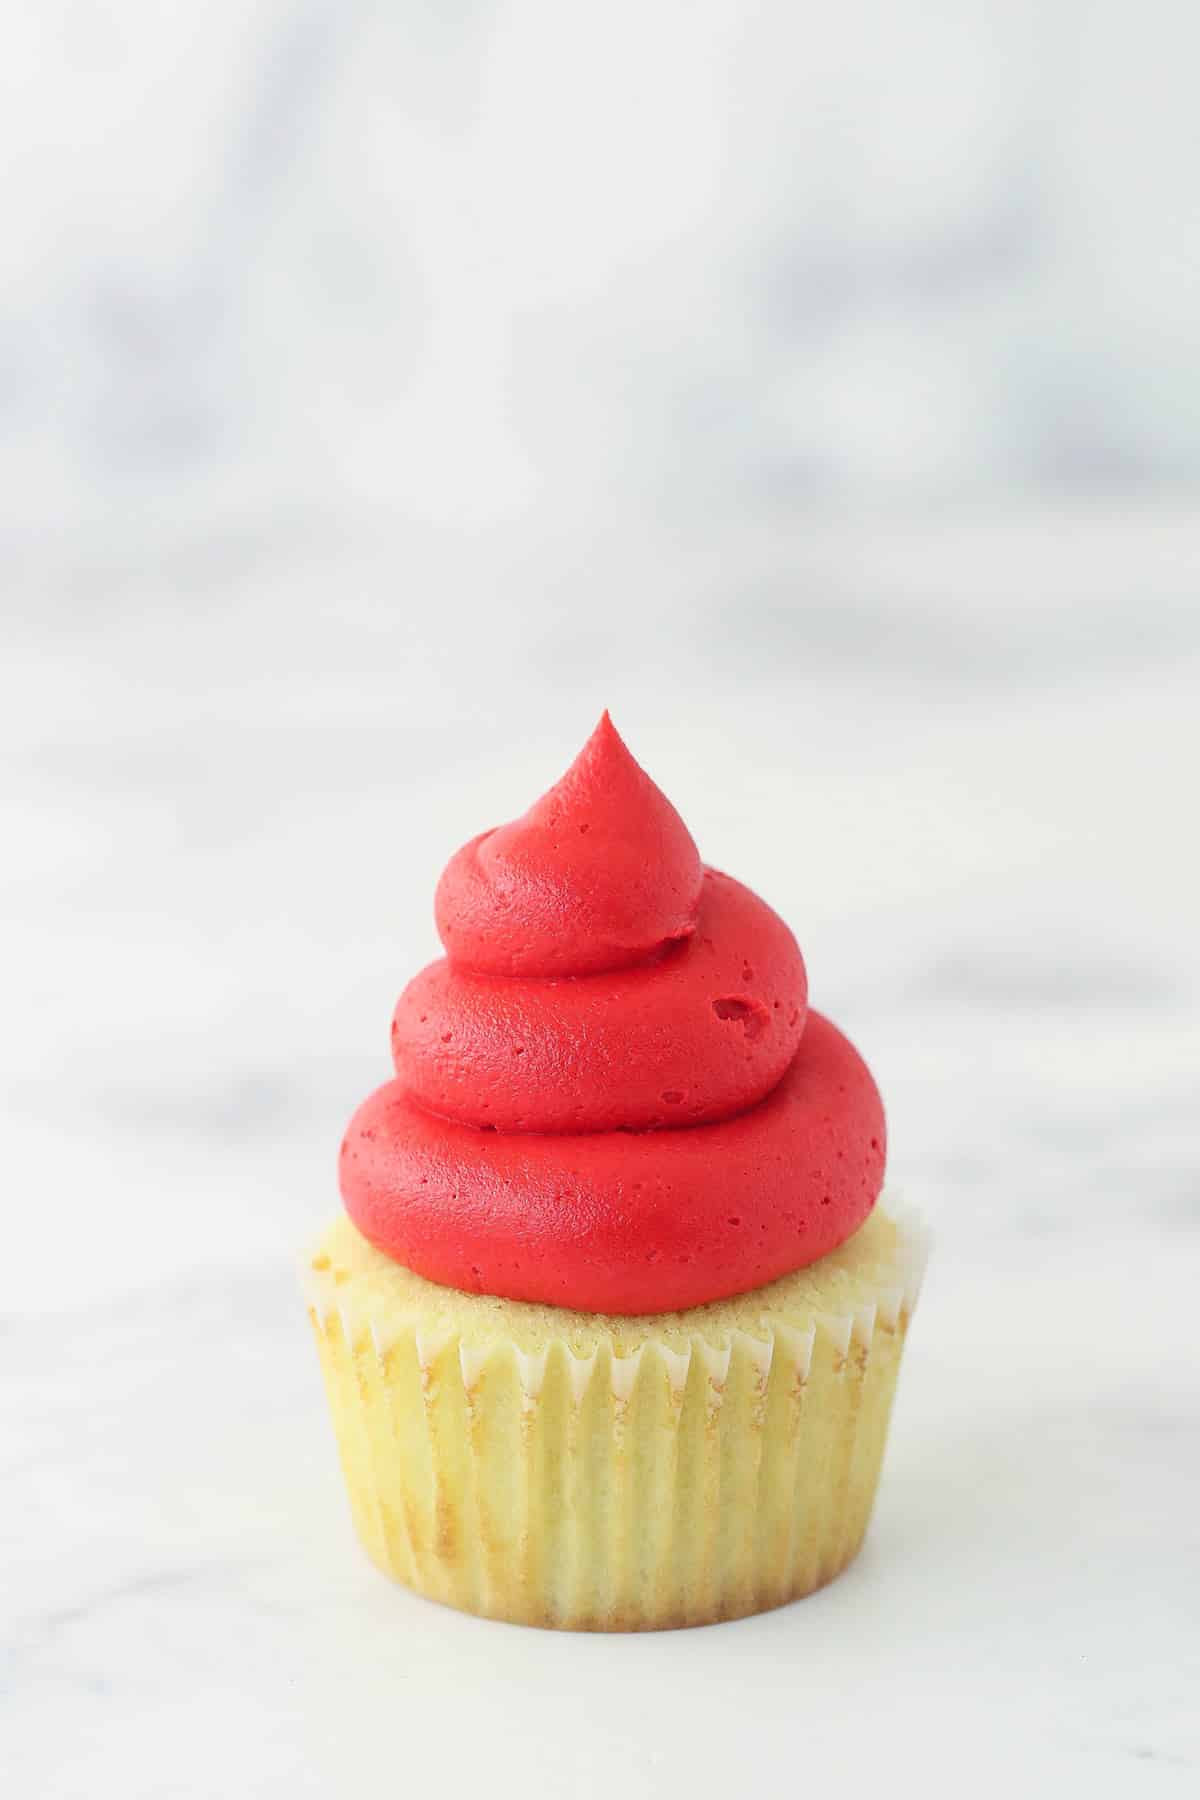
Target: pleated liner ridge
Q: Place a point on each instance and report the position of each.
(591, 1473)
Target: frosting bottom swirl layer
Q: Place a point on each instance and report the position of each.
(625, 1222)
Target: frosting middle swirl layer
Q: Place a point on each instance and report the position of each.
(698, 1032)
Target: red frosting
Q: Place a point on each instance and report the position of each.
(602, 985)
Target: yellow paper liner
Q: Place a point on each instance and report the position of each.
(592, 1473)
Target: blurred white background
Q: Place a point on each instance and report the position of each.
(460, 262)
(383, 391)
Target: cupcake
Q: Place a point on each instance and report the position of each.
(612, 1322)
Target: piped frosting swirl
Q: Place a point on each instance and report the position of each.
(610, 1094)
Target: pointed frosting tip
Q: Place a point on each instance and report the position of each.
(604, 744)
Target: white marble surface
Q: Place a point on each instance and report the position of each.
(958, 752)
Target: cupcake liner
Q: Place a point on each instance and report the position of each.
(590, 1473)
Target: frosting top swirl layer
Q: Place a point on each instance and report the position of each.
(599, 874)
(609, 1094)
